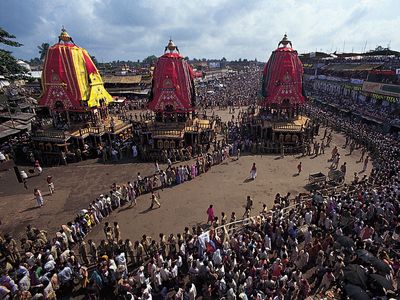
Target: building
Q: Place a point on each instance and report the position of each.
(280, 124)
(74, 96)
(173, 99)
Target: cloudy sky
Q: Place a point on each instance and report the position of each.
(134, 29)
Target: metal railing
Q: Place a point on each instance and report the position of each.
(49, 134)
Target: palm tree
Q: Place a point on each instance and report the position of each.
(7, 39)
(43, 48)
(8, 64)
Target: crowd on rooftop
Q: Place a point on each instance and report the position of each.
(380, 110)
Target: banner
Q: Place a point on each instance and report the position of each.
(356, 81)
(380, 88)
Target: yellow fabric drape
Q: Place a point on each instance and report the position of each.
(81, 73)
(90, 85)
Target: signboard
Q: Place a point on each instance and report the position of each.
(214, 65)
(383, 89)
(331, 78)
(397, 71)
(356, 81)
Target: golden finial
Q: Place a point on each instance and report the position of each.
(285, 41)
(171, 46)
(64, 36)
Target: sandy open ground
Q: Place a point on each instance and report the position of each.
(224, 186)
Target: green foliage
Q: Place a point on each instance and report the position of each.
(150, 60)
(6, 38)
(8, 64)
(43, 48)
(35, 61)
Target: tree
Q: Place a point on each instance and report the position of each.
(35, 61)
(94, 60)
(8, 64)
(150, 60)
(43, 48)
(5, 38)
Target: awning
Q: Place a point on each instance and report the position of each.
(6, 131)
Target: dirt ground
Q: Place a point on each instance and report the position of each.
(225, 186)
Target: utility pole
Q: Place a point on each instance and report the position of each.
(8, 92)
(365, 46)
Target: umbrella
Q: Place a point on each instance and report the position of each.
(382, 281)
(82, 212)
(369, 258)
(354, 292)
(380, 265)
(356, 275)
(345, 241)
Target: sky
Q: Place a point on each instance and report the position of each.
(134, 29)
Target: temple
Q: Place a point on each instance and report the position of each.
(175, 127)
(279, 124)
(282, 80)
(70, 80)
(75, 100)
(173, 94)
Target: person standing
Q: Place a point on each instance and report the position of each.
(83, 253)
(92, 251)
(253, 172)
(210, 213)
(322, 147)
(224, 218)
(37, 167)
(363, 151)
(365, 163)
(117, 232)
(154, 200)
(50, 184)
(299, 168)
(2, 157)
(131, 194)
(39, 198)
(134, 151)
(24, 177)
(248, 207)
(157, 168)
(343, 169)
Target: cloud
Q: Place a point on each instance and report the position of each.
(124, 29)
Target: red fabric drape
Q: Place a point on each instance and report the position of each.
(172, 84)
(282, 78)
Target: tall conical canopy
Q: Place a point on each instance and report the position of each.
(173, 86)
(282, 78)
(70, 80)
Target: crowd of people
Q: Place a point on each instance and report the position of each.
(333, 242)
(235, 89)
(43, 267)
(327, 92)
